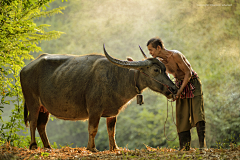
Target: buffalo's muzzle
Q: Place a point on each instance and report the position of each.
(174, 91)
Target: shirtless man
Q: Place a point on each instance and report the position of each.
(189, 98)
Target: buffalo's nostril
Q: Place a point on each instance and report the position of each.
(174, 91)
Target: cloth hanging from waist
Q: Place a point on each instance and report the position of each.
(189, 88)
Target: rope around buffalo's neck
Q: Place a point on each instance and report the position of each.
(158, 81)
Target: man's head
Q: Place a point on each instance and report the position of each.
(155, 45)
(156, 42)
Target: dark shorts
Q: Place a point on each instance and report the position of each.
(189, 111)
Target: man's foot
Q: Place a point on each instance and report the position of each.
(184, 140)
(203, 150)
(201, 135)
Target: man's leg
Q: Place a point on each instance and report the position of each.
(183, 123)
(184, 140)
(199, 119)
(201, 134)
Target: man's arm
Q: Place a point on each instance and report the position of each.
(186, 70)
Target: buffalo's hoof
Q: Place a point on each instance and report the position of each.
(92, 149)
(114, 148)
(33, 146)
(48, 147)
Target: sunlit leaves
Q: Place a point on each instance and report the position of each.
(19, 37)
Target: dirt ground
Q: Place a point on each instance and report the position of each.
(13, 153)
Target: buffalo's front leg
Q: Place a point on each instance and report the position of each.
(111, 122)
(92, 130)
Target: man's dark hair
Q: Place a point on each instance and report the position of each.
(155, 42)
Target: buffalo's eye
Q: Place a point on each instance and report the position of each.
(157, 70)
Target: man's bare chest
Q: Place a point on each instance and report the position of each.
(171, 66)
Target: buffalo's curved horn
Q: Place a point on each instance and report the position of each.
(126, 64)
(144, 55)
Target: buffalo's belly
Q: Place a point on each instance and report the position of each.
(110, 113)
(68, 112)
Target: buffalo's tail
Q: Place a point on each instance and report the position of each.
(25, 114)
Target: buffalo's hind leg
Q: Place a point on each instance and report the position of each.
(33, 117)
(111, 123)
(92, 130)
(41, 126)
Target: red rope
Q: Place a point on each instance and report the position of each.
(158, 81)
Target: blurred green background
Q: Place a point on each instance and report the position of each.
(207, 32)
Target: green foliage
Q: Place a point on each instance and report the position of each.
(19, 36)
(44, 154)
(73, 133)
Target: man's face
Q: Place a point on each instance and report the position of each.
(154, 51)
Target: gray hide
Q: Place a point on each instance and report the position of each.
(85, 87)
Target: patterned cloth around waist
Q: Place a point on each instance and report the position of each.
(189, 88)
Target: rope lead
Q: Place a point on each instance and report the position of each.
(166, 121)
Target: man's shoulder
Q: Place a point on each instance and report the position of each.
(176, 53)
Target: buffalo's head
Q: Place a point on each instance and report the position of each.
(152, 73)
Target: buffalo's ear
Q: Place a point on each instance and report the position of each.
(129, 59)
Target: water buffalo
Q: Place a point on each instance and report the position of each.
(72, 87)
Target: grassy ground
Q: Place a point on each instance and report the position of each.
(13, 153)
